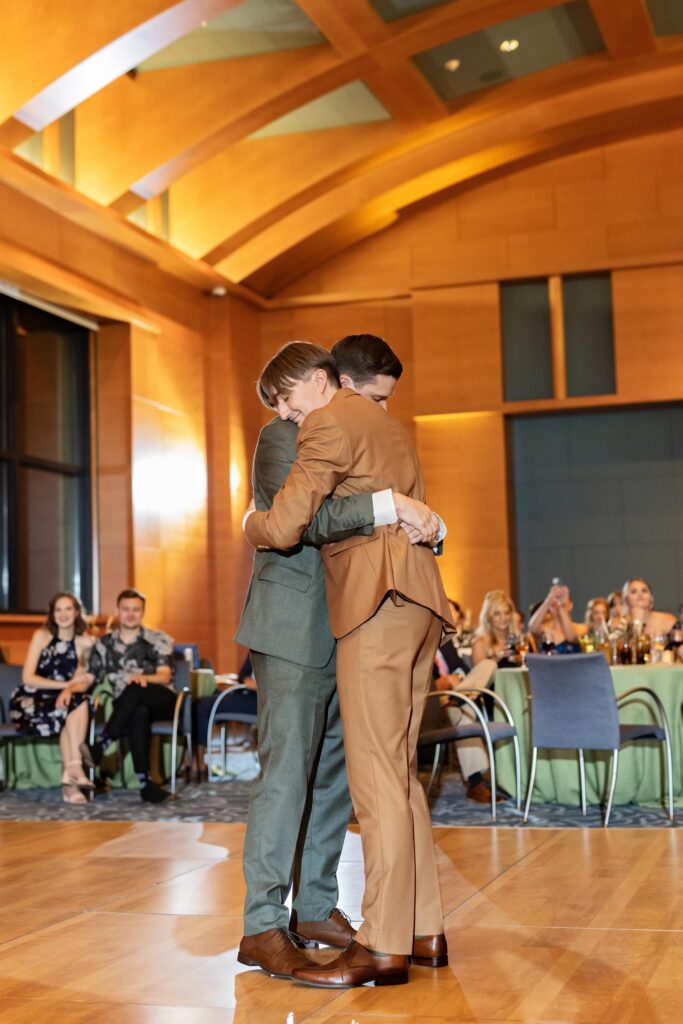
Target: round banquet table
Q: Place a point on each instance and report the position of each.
(639, 779)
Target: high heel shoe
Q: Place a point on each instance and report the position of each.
(71, 794)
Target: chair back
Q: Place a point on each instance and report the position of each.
(10, 678)
(181, 674)
(573, 704)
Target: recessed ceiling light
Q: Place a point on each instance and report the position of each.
(508, 45)
(452, 65)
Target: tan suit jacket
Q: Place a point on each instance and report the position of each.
(349, 447)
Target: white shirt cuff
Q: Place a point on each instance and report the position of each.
(383, 508)
(246, 516)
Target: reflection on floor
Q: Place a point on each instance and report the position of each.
(114, 922)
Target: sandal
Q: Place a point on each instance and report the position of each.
(71, 794)
(76, 780)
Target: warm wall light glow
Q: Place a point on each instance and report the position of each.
(437, 417)
(170, 484)
(235, 479)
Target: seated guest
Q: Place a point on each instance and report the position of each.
(551, 624)
(639, 601)
(52, 699)
(452, 673)
(240, 703)
(595, 618)
(617, 620)
(137, 662)
(491, 638)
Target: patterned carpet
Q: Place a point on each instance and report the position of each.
(228, 799)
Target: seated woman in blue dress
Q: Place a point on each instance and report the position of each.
(52, 699)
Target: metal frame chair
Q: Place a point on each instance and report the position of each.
(223, 718)
(578, 710)
(482, 728)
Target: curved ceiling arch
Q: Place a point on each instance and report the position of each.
(167, 141)
(463, 148)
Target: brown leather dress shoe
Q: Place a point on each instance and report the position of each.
(274, 951)
(430, 951)
(336, 931)
(355, 966)
(481, 794)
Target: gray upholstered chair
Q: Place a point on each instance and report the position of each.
(573, 707)
(480, 727)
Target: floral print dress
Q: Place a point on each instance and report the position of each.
(33, 710)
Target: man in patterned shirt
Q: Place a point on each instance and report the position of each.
(137, 661)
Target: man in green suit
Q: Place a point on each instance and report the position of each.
(300, 805)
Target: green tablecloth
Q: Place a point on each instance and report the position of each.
(640, 764)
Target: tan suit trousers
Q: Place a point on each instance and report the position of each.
(384, 673)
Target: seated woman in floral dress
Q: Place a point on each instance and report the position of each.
(52, 699)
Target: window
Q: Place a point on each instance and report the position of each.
(527, 353)
(588, 334)
(557, 344)
(45, 516)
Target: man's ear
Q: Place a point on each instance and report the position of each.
(345, 380)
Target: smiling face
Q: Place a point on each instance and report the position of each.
(501, 619)
(65, 613)
(296, 401)
(379, 389)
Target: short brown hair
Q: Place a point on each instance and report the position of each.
(293, 363)
(80, 625)
(131, 593)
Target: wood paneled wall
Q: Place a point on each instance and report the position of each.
(617, 208)
(188, 384)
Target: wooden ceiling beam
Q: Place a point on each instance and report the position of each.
(351, 27)
(64, 200)
(434, 150)
(625, 27)
(354, 29)
(39, 44)
(98, 68)
(146, 121)
(370, 47)
(551, 143)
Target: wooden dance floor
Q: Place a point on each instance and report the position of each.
(138, 923)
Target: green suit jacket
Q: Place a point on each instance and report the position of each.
(285, 612)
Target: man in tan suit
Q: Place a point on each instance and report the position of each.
(387, 607)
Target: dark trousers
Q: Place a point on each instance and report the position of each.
(133, 714)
